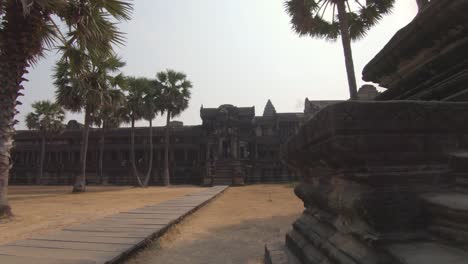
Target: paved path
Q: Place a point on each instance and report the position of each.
(106, 240)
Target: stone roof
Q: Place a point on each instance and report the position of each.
(269, 109)
(425, 60)
(312, 107)
(208, 113)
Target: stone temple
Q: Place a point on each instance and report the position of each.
(231, 146)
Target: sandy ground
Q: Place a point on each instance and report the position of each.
(41, 209)
(231, 229)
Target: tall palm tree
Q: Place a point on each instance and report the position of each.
(142, 103)
(26, 29)
(108, 117)
(151, 107)
(175, 96)
(83, 68)
(47, 118)
(84, 91)
(352, 22)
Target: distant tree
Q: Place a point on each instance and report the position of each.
(352, 22)
(47, 118)
(143, 102)
(82, 69)
(175, 96)
(109, 116)
(151, 107)
(84, 88)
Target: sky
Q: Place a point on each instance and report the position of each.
(240, 52)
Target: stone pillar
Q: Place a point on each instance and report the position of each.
(234, 148)
(220, 147)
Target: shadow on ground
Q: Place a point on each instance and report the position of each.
(236, 244)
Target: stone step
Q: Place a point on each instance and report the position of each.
(449, 215)
(458, 161)
(427, 253)
(277, 253)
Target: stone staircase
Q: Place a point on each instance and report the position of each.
(227, 172)
(459, 168)
(444, 240)
(448, 210)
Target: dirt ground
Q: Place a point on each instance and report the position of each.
(231, 229)
(41, 209)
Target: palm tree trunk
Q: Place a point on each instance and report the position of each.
(80, 181)
(346, 40)
(6, 143)
(132, 153)
(41, 162)
(166, 179)
(101, 154)
(150, 166)
(19, 44)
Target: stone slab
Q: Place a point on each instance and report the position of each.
(78, 234)
(54, 253)
(276, 252)
(95, 237)
(133, 221)
(107, 247)
(106, 240)
(117, 229)
(428, 253)
(454, 201)
(34, 260)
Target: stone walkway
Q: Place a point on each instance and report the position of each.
(106, 240)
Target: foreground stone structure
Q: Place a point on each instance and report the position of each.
(380, 181)
(385, 181)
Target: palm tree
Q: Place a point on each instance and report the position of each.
(108, 117)
(26, 29)
(47, 118)
(151, 107)
(352, 22)
(82, 71)
(84, 91)
(142, 103)
(175, 96)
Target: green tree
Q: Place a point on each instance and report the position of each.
(47, 118)
(352, 22)
(85, 91)
(143, 102)
(26, 29)
(175, 96)
(107, 117)
(87, 53)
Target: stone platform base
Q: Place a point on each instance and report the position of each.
(277, 253)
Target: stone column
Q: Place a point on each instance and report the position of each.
(220, 147)
(234, 148)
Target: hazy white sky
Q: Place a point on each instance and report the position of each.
(241, 52)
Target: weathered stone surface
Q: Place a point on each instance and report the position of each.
(427, 59)
(377, 163)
